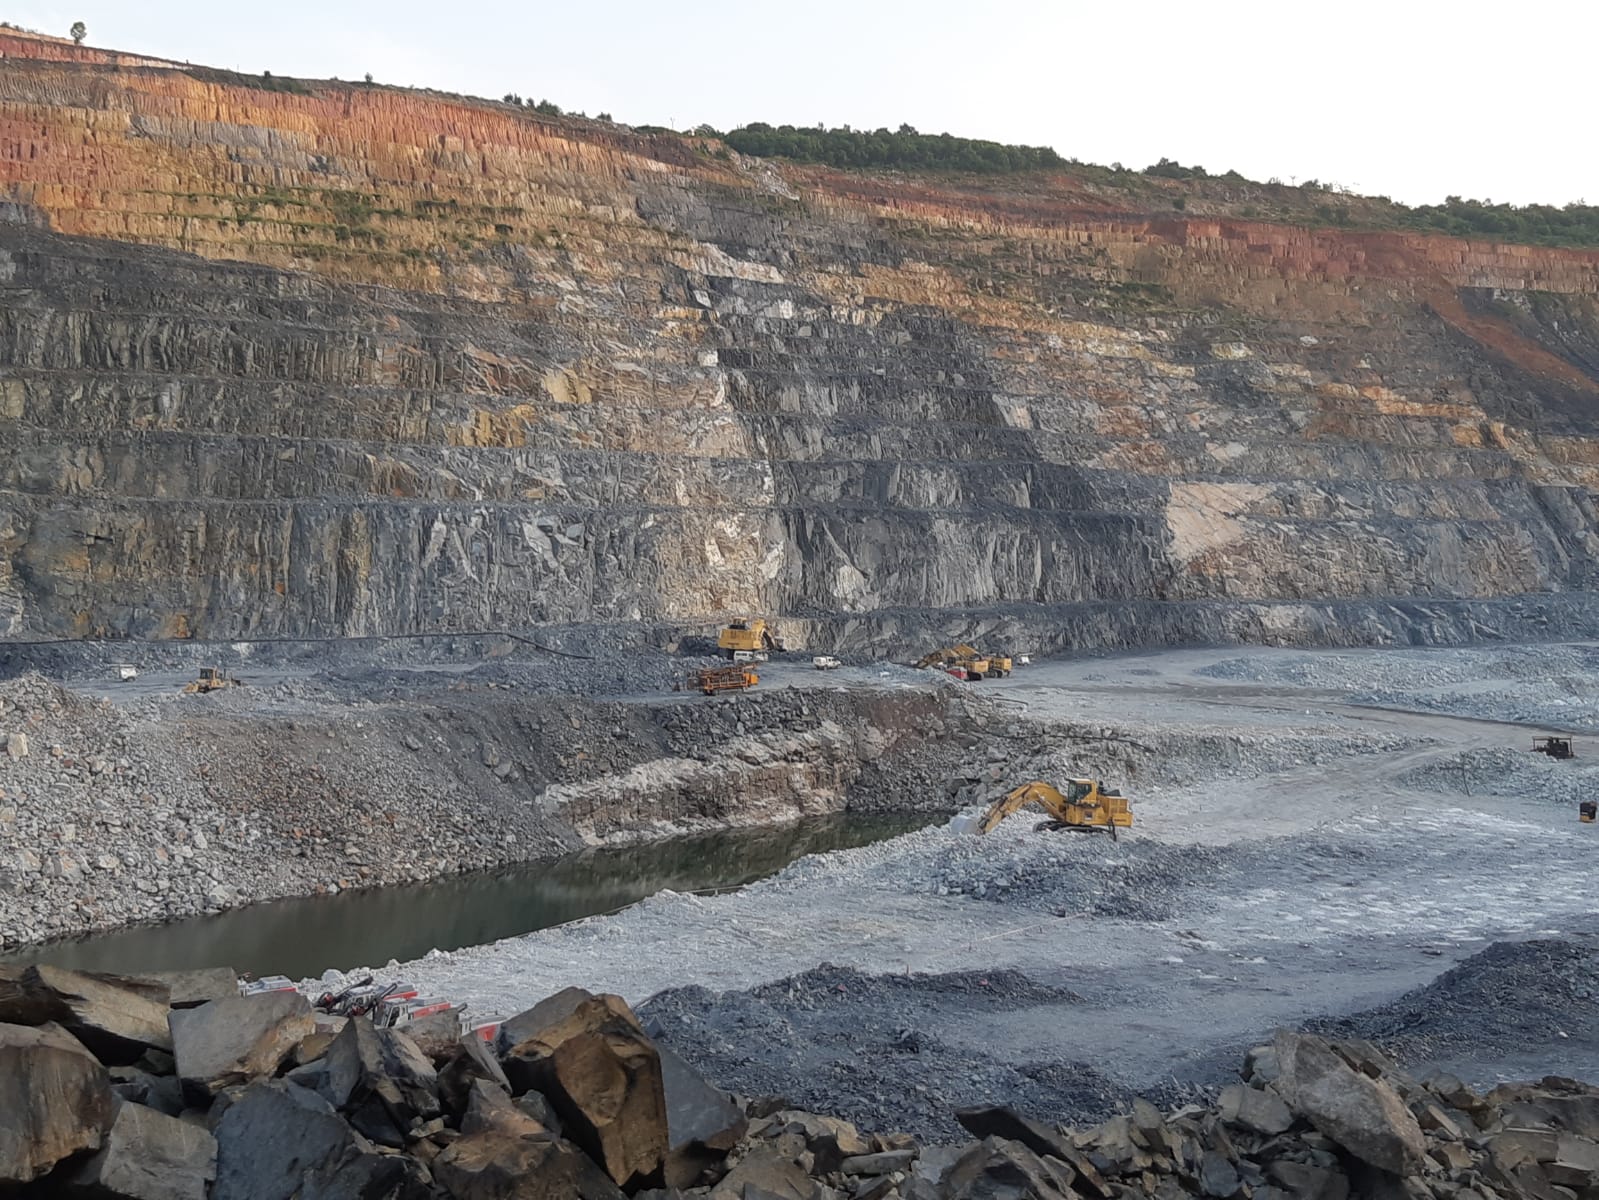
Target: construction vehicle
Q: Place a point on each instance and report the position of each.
(1586, 811)
(1554, 747)
(749, 641)
(724, 679)
(126, 672)
(211, 680)
(967, 662)
(1086, 805)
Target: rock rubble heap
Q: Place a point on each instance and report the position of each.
(177, 1088)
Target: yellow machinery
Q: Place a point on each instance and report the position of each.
(967, 662)
(1086, 805)
(725, 679)
(749, 641)
(211, 680)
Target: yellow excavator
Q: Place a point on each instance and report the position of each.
(967, 662)
(749, 641)
(1086, 805)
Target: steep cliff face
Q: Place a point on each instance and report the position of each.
(367, 361)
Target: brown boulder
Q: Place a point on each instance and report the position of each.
(589, 1056)
(116, 1017)
(55, 1100)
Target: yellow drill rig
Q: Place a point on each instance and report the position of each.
(1085, 805)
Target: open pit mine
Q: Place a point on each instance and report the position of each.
(461, 570)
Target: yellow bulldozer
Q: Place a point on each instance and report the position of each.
(211, 679)
(967, 662)
(1085, 805)
(749, 641)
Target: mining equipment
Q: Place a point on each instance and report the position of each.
(749, 641)
(966, 662)
(1586, 811)
(126, 672)
(1554, 747)
(211, 680)
(712, 680)
(1086, 805)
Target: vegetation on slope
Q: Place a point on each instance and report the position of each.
(902, 148)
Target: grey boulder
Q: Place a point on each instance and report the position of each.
(1363, 1115)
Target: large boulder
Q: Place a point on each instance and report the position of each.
(470, 1063)
(242, 1038)
(490, 1108)
(1363, 1115)
(277, 1141)
(190, 989)
(702, 1124)
(1259, 1110)
(116, 1017)
(591, 1058)
(767, 1173)
(990, 1121)
(55, 1100)
(495, 1165)
(998, 1169)
(381, 1079)
(149, 1156)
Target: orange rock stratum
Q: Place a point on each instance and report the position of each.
(344, 359)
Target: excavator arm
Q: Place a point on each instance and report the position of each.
(1037, 792)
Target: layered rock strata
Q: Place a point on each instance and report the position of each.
(347, 360)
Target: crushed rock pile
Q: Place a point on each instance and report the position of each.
(1523, 998)
(107, 819)
(179, 1088)
(1519, 774)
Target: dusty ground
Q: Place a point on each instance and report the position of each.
(1297, 856)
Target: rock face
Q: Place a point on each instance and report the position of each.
(360, 361)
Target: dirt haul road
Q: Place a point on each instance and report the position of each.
(1296, 854)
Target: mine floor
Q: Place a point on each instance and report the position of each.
(1317, 834)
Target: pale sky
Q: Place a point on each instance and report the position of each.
(1408, 98)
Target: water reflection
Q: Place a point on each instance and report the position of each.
(304, 937)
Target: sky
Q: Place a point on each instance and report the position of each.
(1411, 99)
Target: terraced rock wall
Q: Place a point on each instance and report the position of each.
(364, 361)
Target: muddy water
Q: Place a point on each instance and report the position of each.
(304, 937)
